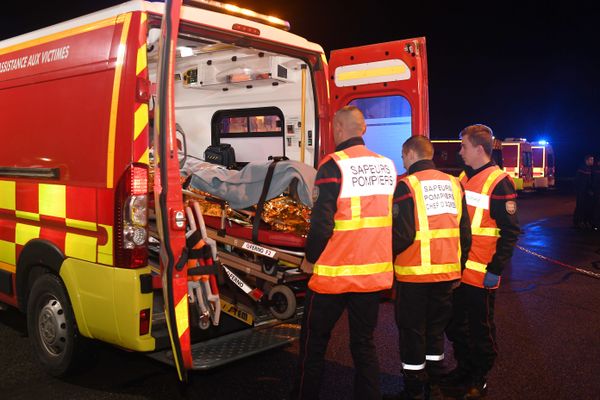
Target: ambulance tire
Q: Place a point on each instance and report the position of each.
(52, 329)
(282, 302)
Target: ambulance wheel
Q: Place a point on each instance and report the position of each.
(52, 328)
(282, 302)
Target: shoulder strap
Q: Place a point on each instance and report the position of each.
(261, 202)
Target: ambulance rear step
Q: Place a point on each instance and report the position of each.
(225, 349)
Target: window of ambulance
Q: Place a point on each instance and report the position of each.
(254, 133)
(389, 125)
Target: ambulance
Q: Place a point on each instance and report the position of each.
(447, 158)
(517, 158)
(543, 164)
(98, 115)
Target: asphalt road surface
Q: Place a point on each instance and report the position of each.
(548, 320)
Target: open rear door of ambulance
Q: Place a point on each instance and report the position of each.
(388, 83)
(170, 215)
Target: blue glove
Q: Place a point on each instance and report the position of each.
(490, 280)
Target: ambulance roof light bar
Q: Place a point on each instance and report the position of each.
(244, 12)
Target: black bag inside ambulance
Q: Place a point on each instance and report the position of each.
(222, 154)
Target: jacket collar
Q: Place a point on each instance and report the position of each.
(355, 141)
(421, 165)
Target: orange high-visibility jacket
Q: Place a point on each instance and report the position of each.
(434, 256)
(485, 232)
(358, 256)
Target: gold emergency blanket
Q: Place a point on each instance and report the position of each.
(283, 213)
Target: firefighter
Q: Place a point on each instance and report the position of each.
(349, 251)
(582, 217)
(492, 207)
(431, 236)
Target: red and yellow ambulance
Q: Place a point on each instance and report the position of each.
(517, 158)
(543, 164)
(77, 102)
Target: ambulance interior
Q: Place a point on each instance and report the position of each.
(255, 101)
(249, 98)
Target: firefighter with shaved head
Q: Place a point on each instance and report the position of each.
(349, 253)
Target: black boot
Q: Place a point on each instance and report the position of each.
(433, 392)
(455, 382)
(414, 385)
(477, 389)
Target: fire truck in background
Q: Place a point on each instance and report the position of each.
(77, 100)
(447, 158)
(517, 157)
(543, 165)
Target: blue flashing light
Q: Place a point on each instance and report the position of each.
(543, 142)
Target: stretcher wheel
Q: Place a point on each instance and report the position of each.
(283, 302)
(269, 267)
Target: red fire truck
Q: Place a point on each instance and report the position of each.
(543, 164)
(517, 159)
(80, 252)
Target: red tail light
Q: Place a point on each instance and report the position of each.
(131, 218)
(139, 180)
(144, 321)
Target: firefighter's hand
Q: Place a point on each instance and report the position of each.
(490, 280)
(307, 266)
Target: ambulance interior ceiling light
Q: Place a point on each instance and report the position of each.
(185, 51)
(233, 9)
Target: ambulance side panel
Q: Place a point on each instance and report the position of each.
(67, 103)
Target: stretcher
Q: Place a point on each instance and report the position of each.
(266, 270)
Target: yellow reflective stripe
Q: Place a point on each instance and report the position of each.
(495, 232)
(457, 197)
(52, 200)
(461, 175)
(7, 252)
(359, 223)
(370, 73)
(140, 120)
(8, 267)
(27, 215)
(181, 316)
(80, 246)
(76, 223)
(24, 233)
(7, 195)
(352, 270)
(423, 221)
(355, 207)
(112, 123)
(105, 252)
(145, 158)
(475, 266)
(427, 269)
(438, 234)
(478, 216)
(342, 155)
(458, 201)
(141, 59)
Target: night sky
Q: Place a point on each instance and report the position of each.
(526, 69)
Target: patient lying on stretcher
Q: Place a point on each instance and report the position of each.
(287, 202)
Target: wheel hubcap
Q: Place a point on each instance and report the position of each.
(52, 327)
